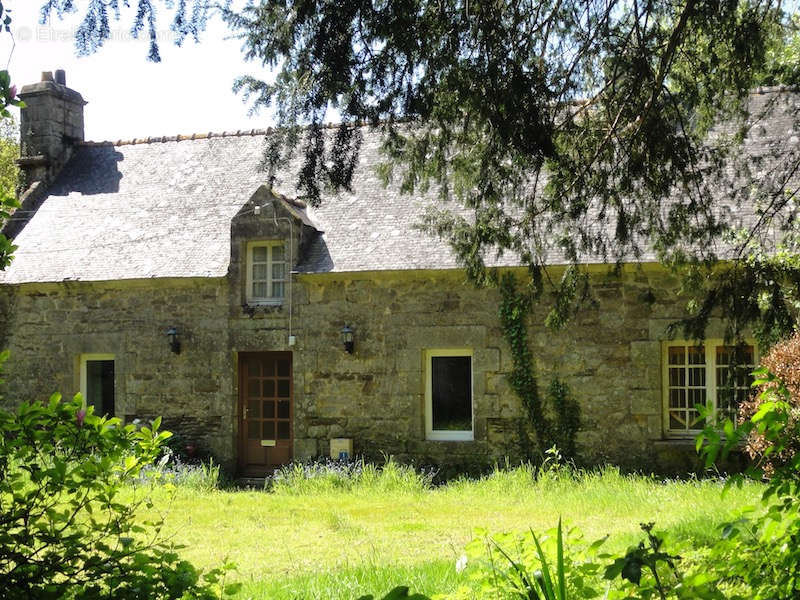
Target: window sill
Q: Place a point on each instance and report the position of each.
(677, 441)
(450, 436)
(253, 308)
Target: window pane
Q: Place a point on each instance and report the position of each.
(677, 355)
(697, 376)
(259, 272)
(677, 398)
(697, 355)
(100, 386)
(277, 253)
(259, 290)
(278, 270)
(677, 376)
(697, 397)
(277, 290)
(675, 422)
(260, 254)
(451, 393)
(734, 364)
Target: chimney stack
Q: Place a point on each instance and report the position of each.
(50, 125)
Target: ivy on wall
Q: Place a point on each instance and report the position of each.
(556, 418)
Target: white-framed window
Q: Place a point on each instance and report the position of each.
(97, 382)
(712, 374)
(448, 394)
(267, 272)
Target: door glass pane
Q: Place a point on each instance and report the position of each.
(269, 367)
(451, 393)
(269, 388)
(269, 430)
(283, 430)
(283, 388)
(269, 409)
(254, 430)
(283, 410)
(252, 409)
(283, 367)
(253, 367)
(253, 388)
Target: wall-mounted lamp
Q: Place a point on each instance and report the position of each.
(347, 339)
(174, 342)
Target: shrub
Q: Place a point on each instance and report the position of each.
(783, 361)
(68, 528)
(759, 552)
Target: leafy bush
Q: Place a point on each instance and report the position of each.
(783, 361)
(760, 552)
(68, 527)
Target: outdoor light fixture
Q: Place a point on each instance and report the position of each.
(174, 342)
(347, 339)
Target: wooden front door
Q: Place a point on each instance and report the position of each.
(266, 411)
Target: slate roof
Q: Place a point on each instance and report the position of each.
(162, 207)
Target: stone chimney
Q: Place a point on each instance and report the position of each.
(50, 125)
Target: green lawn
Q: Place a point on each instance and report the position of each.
(318, 541)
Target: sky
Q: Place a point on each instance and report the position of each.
(189, 91)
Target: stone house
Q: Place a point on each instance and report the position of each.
(160, 276)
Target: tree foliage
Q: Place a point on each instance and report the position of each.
(569, 130)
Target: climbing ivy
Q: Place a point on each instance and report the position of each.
(515, 307)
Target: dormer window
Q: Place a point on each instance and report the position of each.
(266, 272)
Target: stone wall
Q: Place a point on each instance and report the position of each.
(610, 356)
(49, 327)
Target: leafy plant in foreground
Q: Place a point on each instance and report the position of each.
(68, 529)
(759, 552)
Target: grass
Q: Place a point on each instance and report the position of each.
(339, 535)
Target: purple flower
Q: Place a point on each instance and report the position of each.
(80, 416)
(12, 93)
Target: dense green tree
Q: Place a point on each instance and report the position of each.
(574, 127)
(9, 153)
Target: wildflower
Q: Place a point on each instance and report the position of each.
(461, 563)
(80, 416)
(12, 93)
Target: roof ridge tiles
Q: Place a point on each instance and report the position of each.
(201, 136)
(760, 90)
(160, 139)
